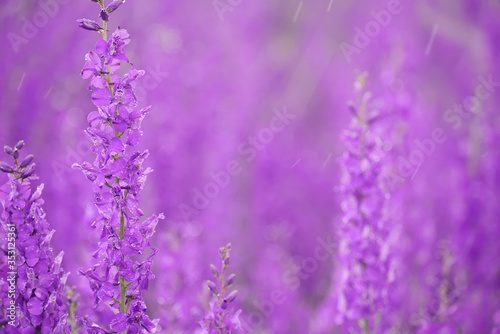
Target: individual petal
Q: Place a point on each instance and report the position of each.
(134, 137)
(35, 306)
(101, 47)
(119, 322)
(115, 146)
(101, 97)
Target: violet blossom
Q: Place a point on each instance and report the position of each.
(124, 255)
(32, 282)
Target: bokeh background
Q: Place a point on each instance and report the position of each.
(217, 73)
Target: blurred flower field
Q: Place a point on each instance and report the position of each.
(234, 166)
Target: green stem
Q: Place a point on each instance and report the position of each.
(364, 325)
(72, 318)
(123, 284)
(105, 37)
(122, 224)
(122, 295)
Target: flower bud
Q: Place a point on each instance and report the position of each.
(230, 279)
(8, 150)
(28, 171)
(15, 154)
(214, 270)
(114, 5)
(88, 25)
(229, 299)
(104, 15)
(212, 287)
(4, 167)
(19, 145)
(232, 296)
(26, 161)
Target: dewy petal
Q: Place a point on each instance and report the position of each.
(133, 137)
(101, 97)
(101, 47)
(35, 306)
(119, 322)
(99, 82)
(115, 146)
(88, 69)
(114, 65)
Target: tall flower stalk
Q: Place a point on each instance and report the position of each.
(124, 256)
(32, 282)
(364, 251)
(221, 319)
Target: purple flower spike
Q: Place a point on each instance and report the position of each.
(39, 299)
(118, 176)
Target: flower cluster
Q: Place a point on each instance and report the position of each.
(221, 319)
(31, 279)
(124, 256)
(365, 268)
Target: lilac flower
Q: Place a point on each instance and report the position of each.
(32, 278)
(124, 255)
(220, 318)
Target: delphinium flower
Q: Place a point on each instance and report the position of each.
(32, 282)
(364, 252)
(221, 318)
(124, 255)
